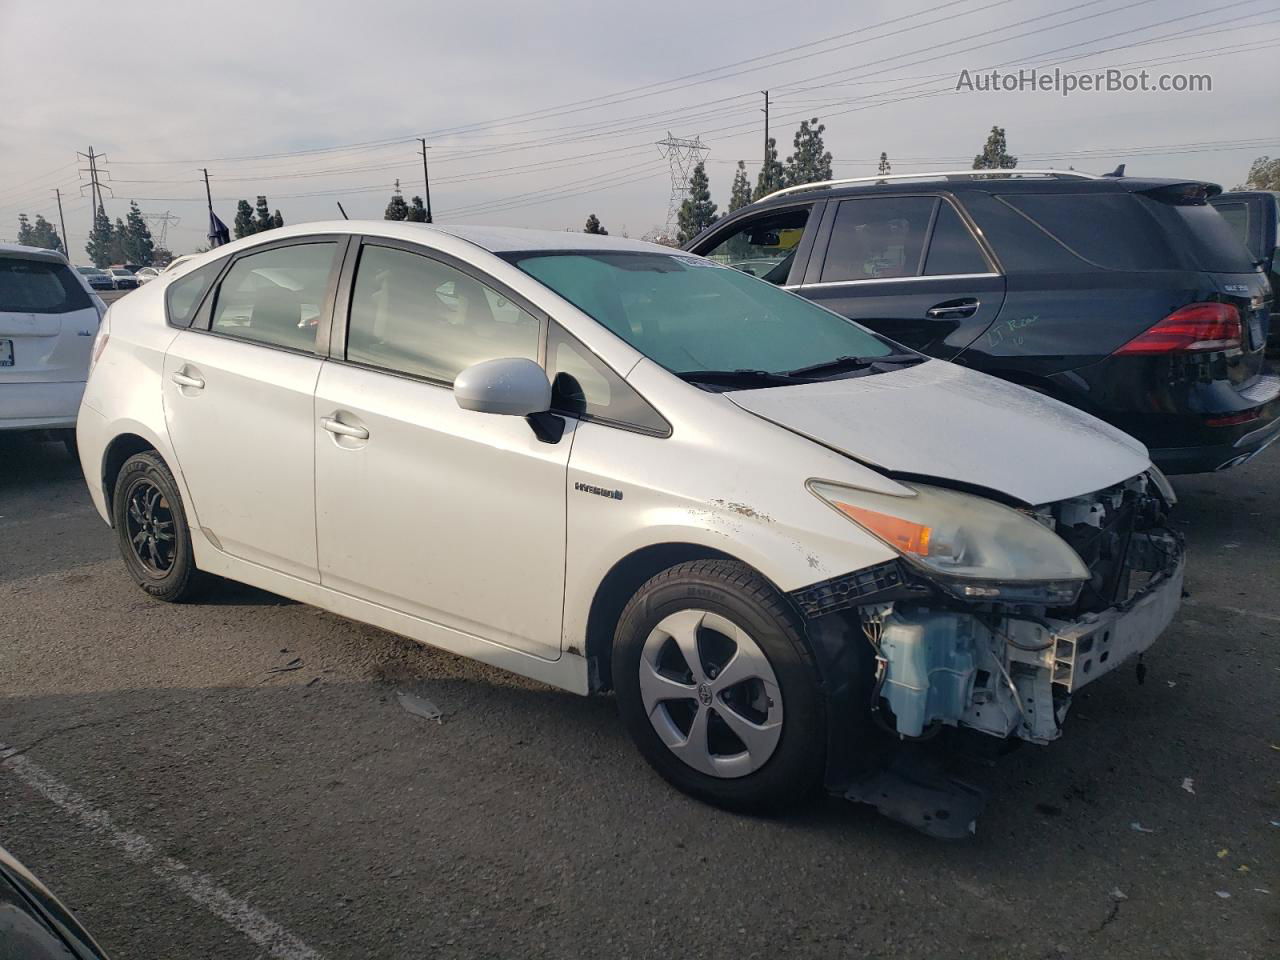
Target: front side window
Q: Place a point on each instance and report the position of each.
(39, 286)
(691, 315)
(411, 314)
(275, 297)
(764, 247)
(878, 238)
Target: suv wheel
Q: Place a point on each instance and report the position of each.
(151, 528)
(717, 688)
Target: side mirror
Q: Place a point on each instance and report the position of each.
(513, 386)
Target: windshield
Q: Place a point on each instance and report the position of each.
(689, 314)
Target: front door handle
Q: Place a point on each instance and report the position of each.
(953, 309)
(184, 380)
(334, 425)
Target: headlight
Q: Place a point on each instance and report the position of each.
(974, 548)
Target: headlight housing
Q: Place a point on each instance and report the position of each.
(974, 548)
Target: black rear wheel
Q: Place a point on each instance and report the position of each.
(151, 529)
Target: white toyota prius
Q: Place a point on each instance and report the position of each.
(784, 542)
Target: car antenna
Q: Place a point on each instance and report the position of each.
(1117, 172)
(341, 211)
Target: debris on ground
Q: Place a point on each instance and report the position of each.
(419, 707)
(1189, 785)
(294, 664)
(1139, 828)
(1223, 894)
(1223, 853)
(1118, 894)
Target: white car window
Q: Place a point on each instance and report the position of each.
(275, 297)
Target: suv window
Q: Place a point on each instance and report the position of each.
(952, 248)
(415, 315)
(878, 238)
(764, 247)
(39, 286)
(184, 294)
(1237, 217)
(582, 385)
(275, 297)
(1110, 230)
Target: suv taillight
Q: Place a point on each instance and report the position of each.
(1192, 329)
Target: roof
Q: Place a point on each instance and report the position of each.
(508, 239)
(23, 250)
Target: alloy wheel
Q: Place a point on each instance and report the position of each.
(710, 693)
(150, 527)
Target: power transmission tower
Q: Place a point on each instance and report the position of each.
(683, 155)
(158, 224)
(95, 184)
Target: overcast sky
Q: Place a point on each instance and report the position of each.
(164, 89)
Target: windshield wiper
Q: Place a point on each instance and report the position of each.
(737, 378)
(842, 364)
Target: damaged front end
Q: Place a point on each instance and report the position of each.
(1001, 657)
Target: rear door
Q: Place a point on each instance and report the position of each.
(239, 389)
(47, 324)
(908, 267)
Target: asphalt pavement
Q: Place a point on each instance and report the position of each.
(238, 778)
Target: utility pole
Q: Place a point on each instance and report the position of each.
(768, 167)
(207, 195)
(426, 179)
(66, 243)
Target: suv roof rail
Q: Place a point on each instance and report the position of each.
(934, 175)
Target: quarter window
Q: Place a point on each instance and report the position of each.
(275, 297)
(878, 238)
(184, 294)
(415, 315)
(584, 386)
(952, 248)
(764, 247)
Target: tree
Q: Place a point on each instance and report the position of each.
(264, 219)
(1264, 174)
(277, 220)
(99, 246)
(43, 235)
(995, 153)
(697, 212)
(593, 226)
(117, 247)
(26, 235)
(160, 256)
(244, 225)
(397, 209)
(811, 162)
(885, 167)
(772, 176)
(137, 243)
(417, 212)
(740, 191)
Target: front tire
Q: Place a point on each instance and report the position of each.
(151, 529)
(717, 688)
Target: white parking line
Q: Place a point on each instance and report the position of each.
(197, 886)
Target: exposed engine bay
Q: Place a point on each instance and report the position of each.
(1008, 670)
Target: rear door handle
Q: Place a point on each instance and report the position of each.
(334, 425)
(953, 309)
(183, 380)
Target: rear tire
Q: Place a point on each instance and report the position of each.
(151, 529)
(717, 688)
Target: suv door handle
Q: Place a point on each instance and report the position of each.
(953, 309)
(183, 380)
(334, 425)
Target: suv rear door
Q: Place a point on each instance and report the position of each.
(47, 324)
(908, 267)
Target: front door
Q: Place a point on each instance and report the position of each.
(908, 268)
(449, 515)
(238, 402)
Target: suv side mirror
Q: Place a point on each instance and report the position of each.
(513, 386)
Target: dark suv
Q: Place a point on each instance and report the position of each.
(1131, 299)
(1255, 217)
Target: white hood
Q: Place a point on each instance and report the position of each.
(938, 419)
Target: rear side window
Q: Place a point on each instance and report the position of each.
(275, 297)
(1110, 230)
(184, 295)
(39, 286)
(878, 238)
(952, 248)
(584, 386)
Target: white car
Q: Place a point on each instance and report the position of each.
(606, 464)
(48, 319)
(146, 274)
